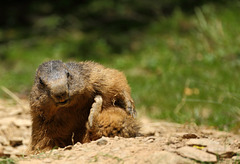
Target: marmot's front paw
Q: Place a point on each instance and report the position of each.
(130, 108)
(124, 100)
(129, 104)
(95, 110)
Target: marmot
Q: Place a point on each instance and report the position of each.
(61, 99)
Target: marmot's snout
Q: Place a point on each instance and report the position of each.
(61, 98)
(60, 92)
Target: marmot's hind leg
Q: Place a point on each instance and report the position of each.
(110, 122)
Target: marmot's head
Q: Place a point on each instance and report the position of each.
(58, 82)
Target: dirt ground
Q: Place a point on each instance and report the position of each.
(162, 142)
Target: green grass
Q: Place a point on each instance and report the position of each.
(200, 51)
(183, 69)
(6, 161)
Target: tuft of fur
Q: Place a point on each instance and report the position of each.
(62, 96)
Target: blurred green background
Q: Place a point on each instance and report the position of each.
(181, 57)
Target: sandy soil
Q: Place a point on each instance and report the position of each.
(162, 142)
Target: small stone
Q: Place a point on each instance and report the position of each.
(196, 154)
(77, 144)
(102, 141)
(189, 135)
(14, 142)
(69, 147)
(149, 139)
(186, 135)
(116, 138)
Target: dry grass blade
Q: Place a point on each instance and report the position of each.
(14, 97)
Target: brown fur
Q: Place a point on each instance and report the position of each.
(62, 96)
(110, 122)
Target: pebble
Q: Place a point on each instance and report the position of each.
(189, 135)
(116, 138)
(77, 144)
(69, 147)
(149, 139)
(102, 141)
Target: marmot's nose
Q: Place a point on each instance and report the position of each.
(59, 93)
(60, 97)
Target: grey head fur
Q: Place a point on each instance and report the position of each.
(62, 83)
(53, 76)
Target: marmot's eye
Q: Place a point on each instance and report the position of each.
(68, 74)
(41, 82)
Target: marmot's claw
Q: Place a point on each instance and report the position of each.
(132, 112)
(98, 99)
